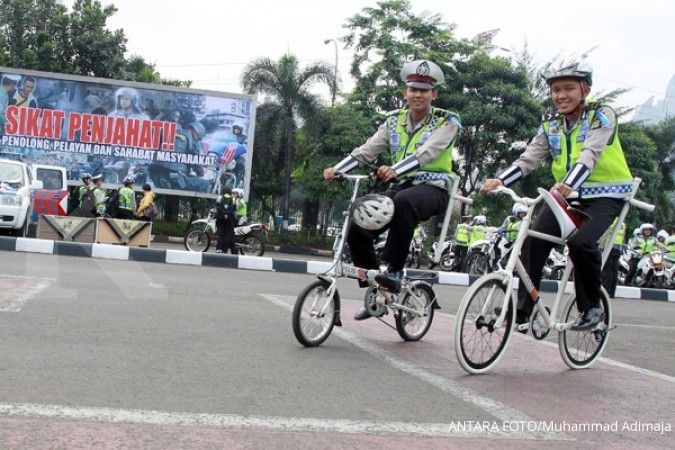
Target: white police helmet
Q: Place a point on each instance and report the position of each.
(480, 220)
(647, 226)
(422, 74)
(662, 235)
(569, 218)
(518, 208)
(373, 211)
(238, 191)
(570, 68)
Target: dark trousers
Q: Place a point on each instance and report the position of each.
(125, 214)
(632, 269)
(583, 250)
(610, 271)
(412, 204)
(225, 230)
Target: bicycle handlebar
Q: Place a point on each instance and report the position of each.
(467, 200)
(515, 197)
(344, 176)
(642, 205)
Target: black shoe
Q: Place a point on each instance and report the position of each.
(363, 283)
(588, 319)
(390, 280)
(362, 314)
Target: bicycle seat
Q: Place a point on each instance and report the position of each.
(569, 217)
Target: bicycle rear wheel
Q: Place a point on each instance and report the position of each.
(478, 344)
(580, 349)
(314, 314)
(412, 327)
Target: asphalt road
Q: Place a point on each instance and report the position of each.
(108, 354)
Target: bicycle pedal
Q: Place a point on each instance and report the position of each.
(523, 327)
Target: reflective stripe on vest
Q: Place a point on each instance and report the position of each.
(610, 177)
(403, 144)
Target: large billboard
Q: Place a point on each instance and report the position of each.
(180, 141)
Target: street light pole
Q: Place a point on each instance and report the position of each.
(335, 71)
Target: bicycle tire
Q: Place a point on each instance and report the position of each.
(404, 319)
(465, 323)
(327, 321)
(574, 357)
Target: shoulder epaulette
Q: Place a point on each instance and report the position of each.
(182, 137)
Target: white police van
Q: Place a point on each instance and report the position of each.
(16, 198)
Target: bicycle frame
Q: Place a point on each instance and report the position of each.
(339, 269)
(515, 264)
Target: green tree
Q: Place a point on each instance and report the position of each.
(640, 152)
(382, 39)
(336, 133)
(288, 87)
(663, 136)
(45, 35)
(491, 95)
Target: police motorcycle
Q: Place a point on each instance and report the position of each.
(317, 307)
(555, 264)
(484, 254)
(651, 270)
(448, 255)
(624, 263)
(249, 239)
(416, 249)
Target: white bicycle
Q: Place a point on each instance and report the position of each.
(487, 313)
(317, 308)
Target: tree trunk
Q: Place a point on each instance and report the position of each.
(310, 215)
(171, 208)
(288, 152)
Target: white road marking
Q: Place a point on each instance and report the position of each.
(15, 304)
(497, 409)
(611, 362)
(269, 423)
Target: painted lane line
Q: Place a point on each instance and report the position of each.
(268, 423)
(497, 409)
(16, 304)
(611, 362)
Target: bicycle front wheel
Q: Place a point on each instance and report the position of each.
(478, 343)
(314, 314)
(580, 349)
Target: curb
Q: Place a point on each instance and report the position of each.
(123, 253)
(272, 248)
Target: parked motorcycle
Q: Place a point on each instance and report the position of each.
(249, 239)
(651, 270)
(416, 247)
(555, 264)
(483, 255)
(449, 256)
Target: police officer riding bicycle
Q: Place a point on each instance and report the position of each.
(582, 138)
(421, 140)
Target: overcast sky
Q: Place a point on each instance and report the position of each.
(210, 41)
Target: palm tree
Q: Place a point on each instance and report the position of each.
(286, 88)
